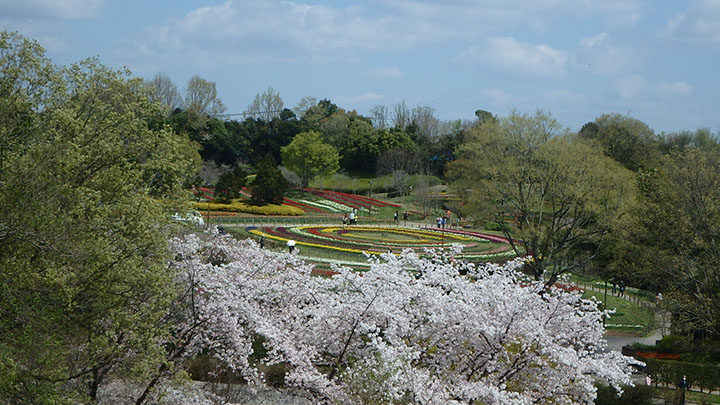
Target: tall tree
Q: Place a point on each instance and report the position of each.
(269, 185)
(308, 156)
(201, 98)
(400, 115)
(164, 91)
(673, 241)
(83, 252)
(265, 106)
(625, 139)
(380, 116)
(553, 194)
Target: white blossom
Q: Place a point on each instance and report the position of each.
(409, 329)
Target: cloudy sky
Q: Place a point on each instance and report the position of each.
(656, 60)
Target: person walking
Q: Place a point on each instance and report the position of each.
(395, 218)
(405, 216)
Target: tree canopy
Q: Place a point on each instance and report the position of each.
(83, 234)
(308, 156)
(553, 195)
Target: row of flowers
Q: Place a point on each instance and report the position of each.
(341, 239)
(657, 355)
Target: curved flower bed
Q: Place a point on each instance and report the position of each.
(376, 240)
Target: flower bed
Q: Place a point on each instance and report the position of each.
(376, 240)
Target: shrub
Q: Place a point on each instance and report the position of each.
(493, 226)
(239, 206)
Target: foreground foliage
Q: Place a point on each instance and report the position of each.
(409, 330)
(83, 241)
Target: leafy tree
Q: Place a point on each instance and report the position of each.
(315, 115)
(309, 157)
(409, 330)
(84, 283)
(483, 116)
(229, 185)
(627, 140)
(671, 243)
(554, 195)
(269, 185)
(701, 138)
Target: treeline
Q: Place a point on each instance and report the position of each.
(412, 140)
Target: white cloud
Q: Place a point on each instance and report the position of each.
(52, 9)
(508, 54)
(359, 98)
(630, 86)
(676, 89)
(499, 98)
(264, 29)
(599, 54)
(699, 24)
(304, 30)
(392, 73)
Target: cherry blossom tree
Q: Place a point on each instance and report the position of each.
(409, 330)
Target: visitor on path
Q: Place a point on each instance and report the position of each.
(262, 241)
(439, 221)
(291, 246)
(405, 216)
(395, 218)
(682, 387)
(443, 220)
(345, 219)
(622, 288)
(352, 217)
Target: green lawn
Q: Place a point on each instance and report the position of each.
(626, 314)
(690, 396)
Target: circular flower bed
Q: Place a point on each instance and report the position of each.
(376, 240)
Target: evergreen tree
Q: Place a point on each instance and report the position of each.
(269, 185)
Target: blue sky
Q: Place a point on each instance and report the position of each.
(655, 60)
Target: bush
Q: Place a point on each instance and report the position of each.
(493, 226)
(239, 206)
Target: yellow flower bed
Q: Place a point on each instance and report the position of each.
(280, 238)
(239, 206)
(420, 233)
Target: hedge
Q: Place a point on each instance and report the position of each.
(670, 372)
(238, 206)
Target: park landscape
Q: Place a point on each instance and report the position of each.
(145, 252)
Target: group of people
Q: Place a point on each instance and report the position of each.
(443, 220)
(351, 218)
(396, 217)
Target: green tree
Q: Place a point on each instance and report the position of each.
(625, 139)
(84, 283)
(672, 241)
(554, 194)
(229, 185)
(269, 185)
(308, 156)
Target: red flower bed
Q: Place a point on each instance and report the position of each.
(351, 200)
(568, 287)
(657, 355)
